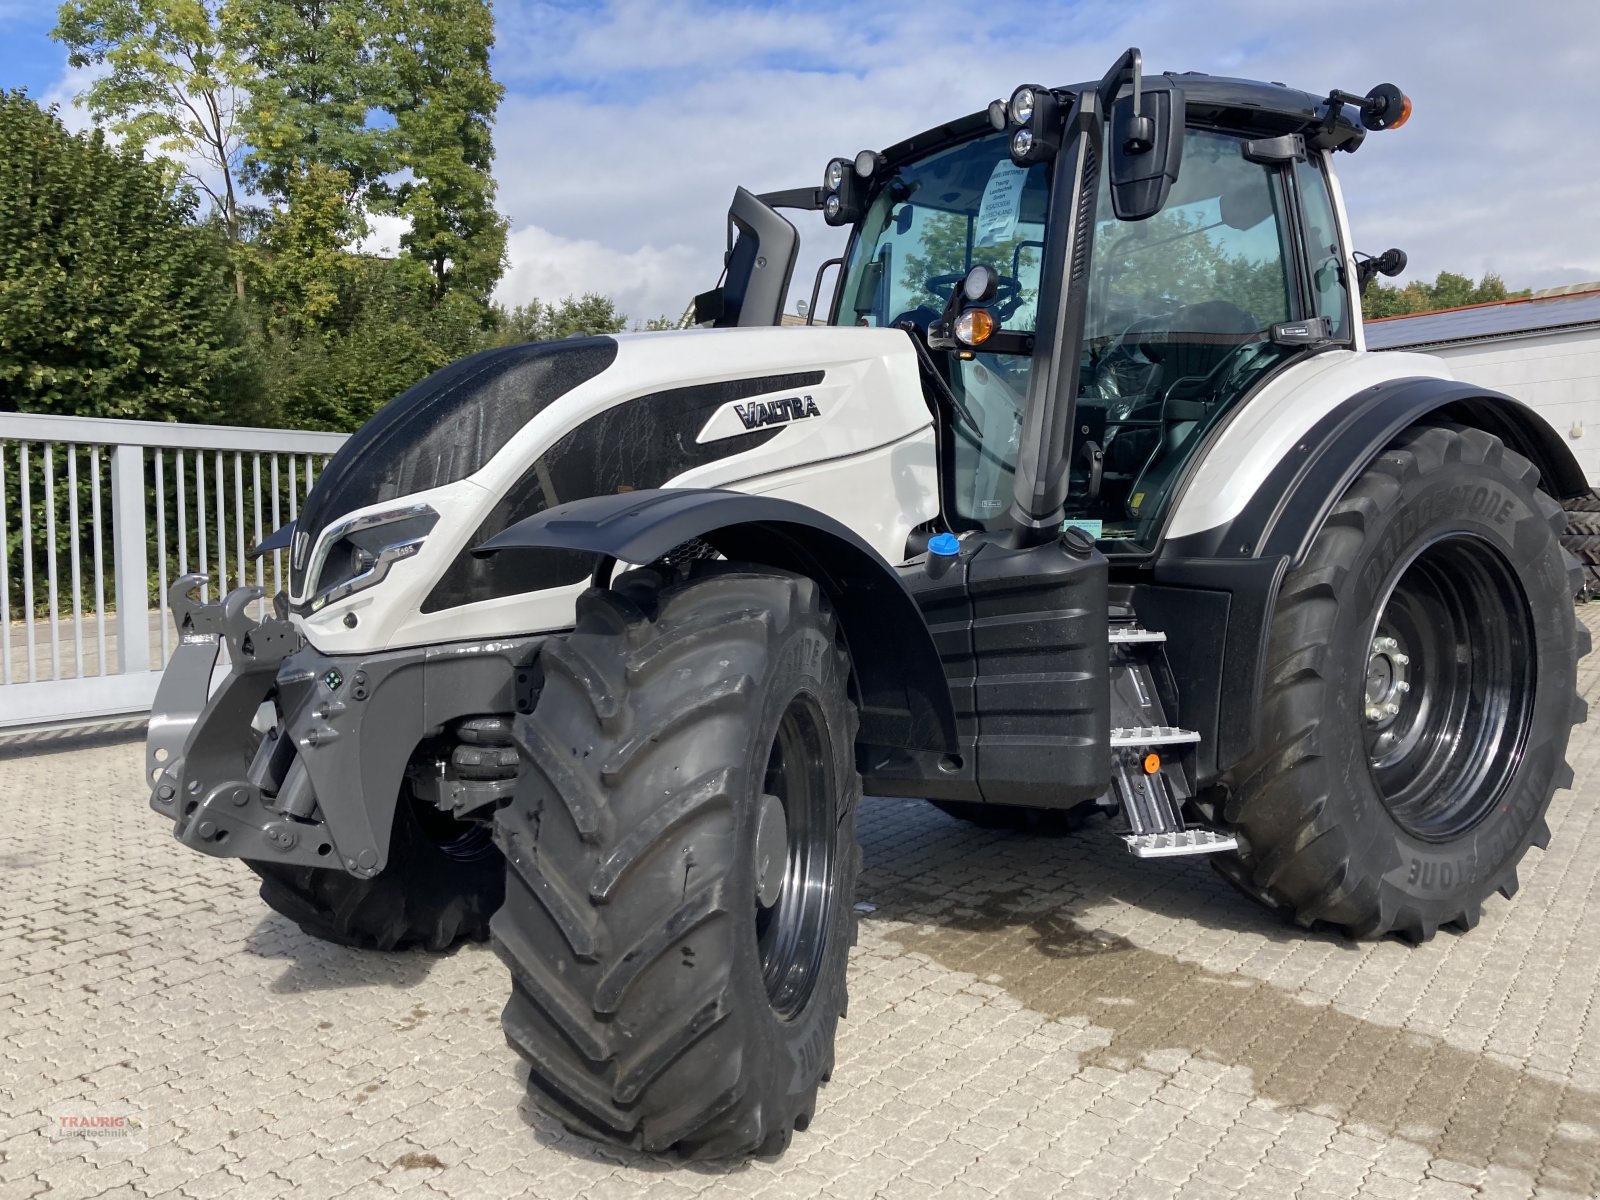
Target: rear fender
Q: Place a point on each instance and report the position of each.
(905, 701)
(1240, 563)
(1288, 507)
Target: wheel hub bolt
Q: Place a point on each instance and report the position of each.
(1401, 659)
(1391, 708)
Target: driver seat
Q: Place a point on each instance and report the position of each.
(1201, 339)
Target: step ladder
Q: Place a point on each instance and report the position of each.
(1148, 780)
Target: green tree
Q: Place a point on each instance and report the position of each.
(113, 302)
(1448, 290)
(443, 100)
(314, 83)
(539, 321)
(174, 83)
(304, 268)
(385, 336)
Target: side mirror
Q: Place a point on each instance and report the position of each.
(1145, 150)
(759, 267)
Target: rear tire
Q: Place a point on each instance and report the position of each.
(668, 991)
(1440, 569)
(1581, 539)
(443, 881)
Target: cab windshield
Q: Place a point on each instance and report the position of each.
(931, 222)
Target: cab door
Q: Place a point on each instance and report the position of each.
(1184, 319)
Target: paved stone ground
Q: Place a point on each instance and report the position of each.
(1029, 1017)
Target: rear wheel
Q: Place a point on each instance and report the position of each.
(1582, 539)
(443, 881)
(1421, 687)
(681, 857)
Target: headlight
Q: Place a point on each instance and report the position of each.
(356, 553)
(830, 207)
(1021, 107)
(833, 177)
(1022, 143)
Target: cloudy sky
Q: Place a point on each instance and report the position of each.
(626, 125)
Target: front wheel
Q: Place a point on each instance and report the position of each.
(1420, 690)
(442, 881)
(681, 858)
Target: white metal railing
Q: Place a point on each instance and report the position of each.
(139, 502)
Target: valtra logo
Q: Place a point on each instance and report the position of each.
(776, 412)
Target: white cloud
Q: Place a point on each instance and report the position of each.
(626, 127)
(63, 93)
(384, 231)
(645, 281)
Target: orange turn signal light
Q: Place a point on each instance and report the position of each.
(974, 327)
(1405, 113)
(1152, 763)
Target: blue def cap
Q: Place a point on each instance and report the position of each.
(944, 543)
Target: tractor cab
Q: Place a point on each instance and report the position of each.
(1095, 276)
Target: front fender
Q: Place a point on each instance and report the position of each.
(905, 700)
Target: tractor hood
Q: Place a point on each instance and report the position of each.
(444, 429)
(832, 417)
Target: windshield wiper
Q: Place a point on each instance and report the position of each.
(930, 372)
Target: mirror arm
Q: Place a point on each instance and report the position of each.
(805, 199)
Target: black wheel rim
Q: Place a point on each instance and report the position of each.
(1448, 694)
(791, 932)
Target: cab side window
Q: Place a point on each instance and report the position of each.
(1328, 289)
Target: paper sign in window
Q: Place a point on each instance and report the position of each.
(1001, 204)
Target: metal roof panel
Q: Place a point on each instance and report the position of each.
(1484, 321)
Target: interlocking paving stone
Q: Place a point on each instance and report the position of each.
(1030, 1016)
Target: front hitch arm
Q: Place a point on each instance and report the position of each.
(207, 769)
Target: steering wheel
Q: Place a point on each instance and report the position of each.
(944, 286)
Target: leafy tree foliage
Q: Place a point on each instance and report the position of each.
(443, 99)
(539, 321)
(1448, 290)
(314, 81)
(113, 301)
(174, 83)
(382, 337)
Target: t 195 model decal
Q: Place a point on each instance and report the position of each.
(774, 412)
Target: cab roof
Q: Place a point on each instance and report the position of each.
(1248, 105)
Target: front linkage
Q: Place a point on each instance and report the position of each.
(228, 789)
(315, 780)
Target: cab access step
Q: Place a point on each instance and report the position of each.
(1150, 775)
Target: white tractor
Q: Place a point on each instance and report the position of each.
(1086, 497)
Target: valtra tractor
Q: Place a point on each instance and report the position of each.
(1085, 497)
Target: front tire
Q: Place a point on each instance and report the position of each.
(442, 882)
(1420, 690)
(681, 860)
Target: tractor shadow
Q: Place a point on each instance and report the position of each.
(1021, 913)
(313, 965)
